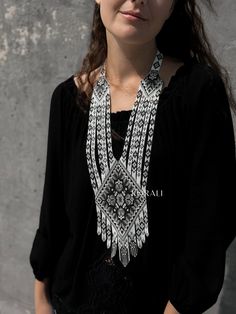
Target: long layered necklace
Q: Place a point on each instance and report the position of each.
(120, 184)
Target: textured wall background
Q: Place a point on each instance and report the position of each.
(41, 44)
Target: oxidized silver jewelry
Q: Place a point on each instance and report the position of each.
(120, 185)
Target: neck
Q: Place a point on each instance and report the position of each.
(128, 62)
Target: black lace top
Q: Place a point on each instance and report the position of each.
(191, 225)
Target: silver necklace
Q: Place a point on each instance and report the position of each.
(120, 185)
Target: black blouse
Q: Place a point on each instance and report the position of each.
(190, 224)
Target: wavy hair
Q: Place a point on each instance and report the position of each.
(182, 36)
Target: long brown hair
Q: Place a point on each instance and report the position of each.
(182, 36)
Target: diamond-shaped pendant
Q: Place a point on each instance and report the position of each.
(120, 198)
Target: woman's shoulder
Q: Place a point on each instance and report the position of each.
(65, 88)
(65, 94)
(72, 85)
(200, 75)
(205, 90)
(190, 79)
(64, 104)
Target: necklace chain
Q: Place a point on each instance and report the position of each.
(118, 85)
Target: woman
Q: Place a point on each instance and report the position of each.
(136, 215)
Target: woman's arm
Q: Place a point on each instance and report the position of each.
(198, 270)
(41, 297)
(170, 309)
(53, 227)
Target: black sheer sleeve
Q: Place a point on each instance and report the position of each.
(198, 271)
(52, 231)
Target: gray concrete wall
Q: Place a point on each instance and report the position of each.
(41, 44)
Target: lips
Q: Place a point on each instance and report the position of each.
(134, 13)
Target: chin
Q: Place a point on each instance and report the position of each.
(131, 36)
(133, 41)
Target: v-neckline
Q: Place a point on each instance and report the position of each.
(155, 67)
